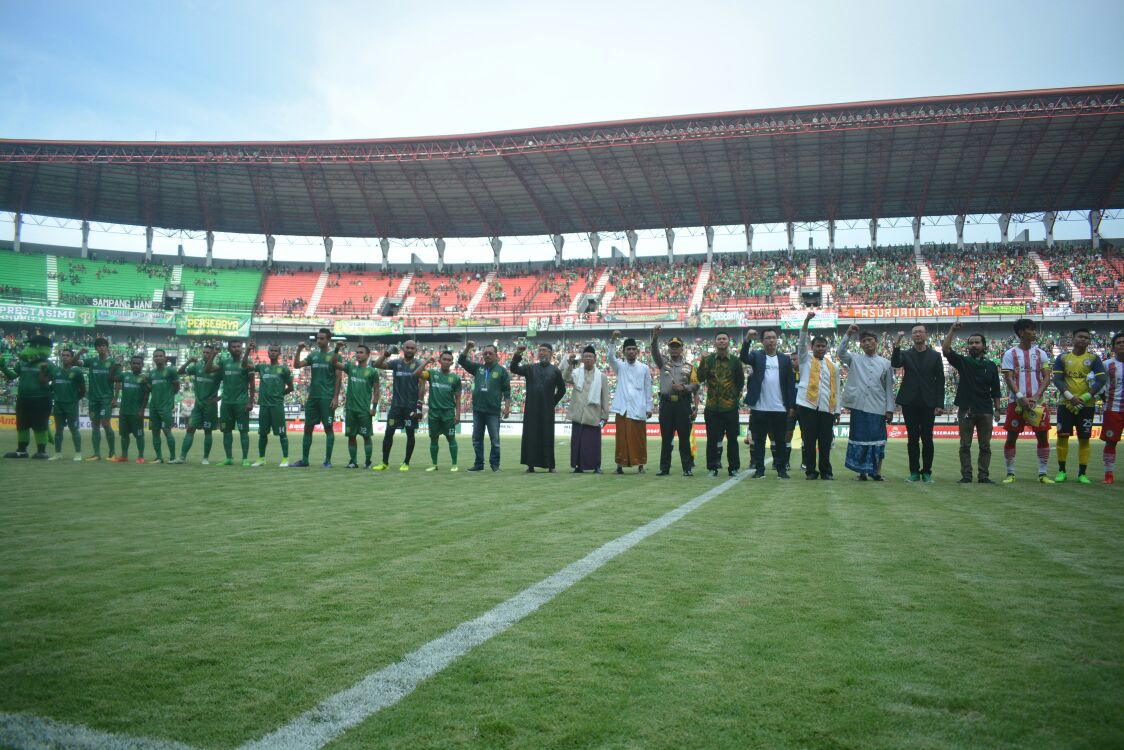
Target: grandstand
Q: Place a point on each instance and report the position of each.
(230, 289)
(23, 278)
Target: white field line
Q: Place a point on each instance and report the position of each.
(382, 689)
(335, 715)
(36, 733)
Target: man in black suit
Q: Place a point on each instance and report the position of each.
(921, 397)
(771, 397)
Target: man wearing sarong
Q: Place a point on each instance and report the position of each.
(632, 405)
(544, 389)
(588, 410)
(869, 394)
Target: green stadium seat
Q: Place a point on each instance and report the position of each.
(23, 276)
(233, 289)
(82, 281)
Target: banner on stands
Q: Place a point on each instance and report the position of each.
(476, 322)
(1057, 311)
(655, 317)
(904, 312)
(794, 321)
(367, 327)
(284, 320)
(79, 317)
(147, 317)
(214, 324)
(1002, 309)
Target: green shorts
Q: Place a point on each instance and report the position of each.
(319, 411)
(442, 424)
(271, 419)
(205, 416)
(160, 419)
(131, 424)
(233, 415)
(65, 416)
(358, 423)
(99, 409)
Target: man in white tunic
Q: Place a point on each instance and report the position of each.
(632, 404)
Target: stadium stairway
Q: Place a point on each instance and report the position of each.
(478, 295)
(1036, 289)
(317, 293)
(926, 278)
(189, 300)
(1074, 291)
(703, 279)
(158, 298)
(813, 272)
(1043, 269)
(177, 275)
(52, 279)
(404, 287)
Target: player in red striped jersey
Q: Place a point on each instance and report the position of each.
(1113, 405)
(1026, 370)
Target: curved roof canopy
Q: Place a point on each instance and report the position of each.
(1017, 152)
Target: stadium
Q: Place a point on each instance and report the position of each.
(200, 606)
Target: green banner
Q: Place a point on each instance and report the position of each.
(366, 328)
(655, 317)
(203, 324)
(471, 322)
(80, 317)
(147, 317)
(1002, 309)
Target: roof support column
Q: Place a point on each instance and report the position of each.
(749, 239)
(709, 244)
(594, 243)
(960, 231)
(1048, 220)
(1004, 223)
(270, 243)
(1095, 228)
(148, 244)
(440, 243)
(632, 238)
(327, 253)
(830, 235)
(790, 232)
(670, 235)
(916, 234)
(873, 233)
(17, 225)
(497, 245)
(384, 245)
(558, 241)
(85, 251)
(210, 249)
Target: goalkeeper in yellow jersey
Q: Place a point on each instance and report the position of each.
(1079, 375)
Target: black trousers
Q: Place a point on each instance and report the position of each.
(817, 430)
(675, 419)
(919, 429)
(771, 424)
(722, 425)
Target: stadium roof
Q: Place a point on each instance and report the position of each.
(1016, 152)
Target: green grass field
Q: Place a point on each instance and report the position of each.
(210, 605)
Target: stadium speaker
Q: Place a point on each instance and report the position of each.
(173, 300)
(811, 295)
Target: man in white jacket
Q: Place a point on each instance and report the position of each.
(588, 410)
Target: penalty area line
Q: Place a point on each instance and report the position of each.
(340, 712)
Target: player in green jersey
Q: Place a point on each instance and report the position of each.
(33, 395)
(102, 393)
(164, 384)
(237, 375)
(445, 388)
(323, 396)
(205, 412)
(406, 396)
(134, 399)
(360, 402)
(69, 389)
(276, 382)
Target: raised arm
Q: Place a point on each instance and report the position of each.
(656, 356)
(568, 368)
(896, 360)
(516, 359)
(183, 368)
(463, 360)
(946, 344)
(802, 342)
(614, 361)
(841, 353)
(381, 363)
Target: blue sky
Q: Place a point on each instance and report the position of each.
(285, 70)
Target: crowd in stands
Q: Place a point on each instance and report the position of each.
(1091, 270)
(764, 278)
(878, 276)
(654, 281)
(979, 273)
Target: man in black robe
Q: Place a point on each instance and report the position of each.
(544, 389)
